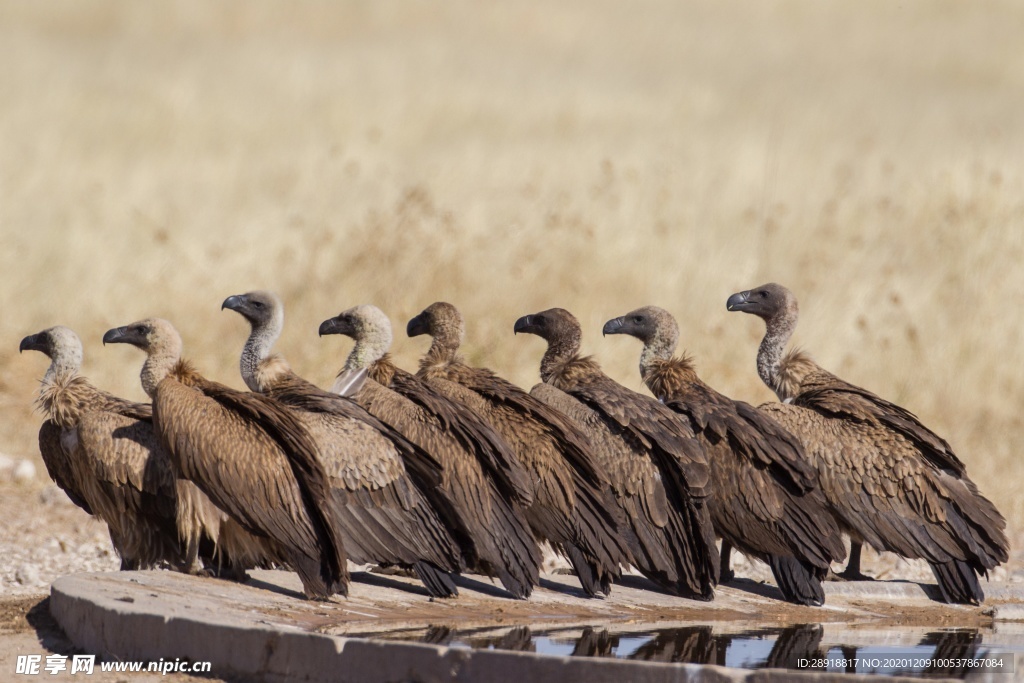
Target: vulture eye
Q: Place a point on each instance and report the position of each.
(139, 329)
(638, 318)
(763, 294)
(257, 304)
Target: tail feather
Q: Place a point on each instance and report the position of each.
(958, 582)
(799, 581)
(439, 583)
(509, 551)
(602, 539)
(692, 544)
(681, 557)
(592, 578)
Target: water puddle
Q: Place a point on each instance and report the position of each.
(940, 653)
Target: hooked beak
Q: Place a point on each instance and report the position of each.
(31, 343)
(739, 301)
(613, 326)
(524, 324)
(234, 302)
(416, 326)
(332, 326)
(115, 336)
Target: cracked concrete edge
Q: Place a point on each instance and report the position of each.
(118, 630)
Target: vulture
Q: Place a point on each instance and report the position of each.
(890, 481)
(376, 477)
(251, 456)
(101, 450)
(477, 464)
(573, 506)
(657, 468)
(766, 500)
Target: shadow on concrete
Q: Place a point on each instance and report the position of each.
(645, 584)
(280, 590)
(382, 580)
(765, 590)
(571, 591)
(491, 589)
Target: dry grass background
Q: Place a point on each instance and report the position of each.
(509, 157)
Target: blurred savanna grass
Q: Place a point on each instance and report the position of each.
(511, 157)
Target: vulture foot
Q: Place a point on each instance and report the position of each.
(849, 575)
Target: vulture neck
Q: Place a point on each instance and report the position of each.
(561, 350)
(443, 350)
(258, 367)
(160, 360)
(779, 329)
(657, 348)
(60, 397)
(369, 348)
(64, 365)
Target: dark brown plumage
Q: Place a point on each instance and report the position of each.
(103, 449)
(573, 507)
(891, 482)
(766, 499)
(657, 468)
(248, 454)
(100, 450)
(377, 477)
(482, 481)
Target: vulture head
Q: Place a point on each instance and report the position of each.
(262, 309)
(58, 343)
(364, 323)
(152, 335)
(553, 325)
(440, 320)
(767, 302)
(161, 343)
(649, 324)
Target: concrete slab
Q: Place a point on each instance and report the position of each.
(267, 630)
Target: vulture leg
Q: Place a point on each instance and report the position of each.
(852, 571)
(725, 573)
(192, 555)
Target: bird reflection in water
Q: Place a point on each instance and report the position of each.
(777, 648)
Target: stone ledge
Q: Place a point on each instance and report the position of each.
(265, 631)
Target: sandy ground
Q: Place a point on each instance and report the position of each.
(45, 536)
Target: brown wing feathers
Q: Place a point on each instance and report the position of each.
(298, 515)
(681, 461)
(486, 506)
(384, 517)
(572, 507)
(58, 465)
(891, 481)
(490, 449)
(844, 401)
(887, 477)
(303, 395)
